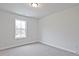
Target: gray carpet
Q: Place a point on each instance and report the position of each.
(36, 49)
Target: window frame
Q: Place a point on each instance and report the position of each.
(21, 29)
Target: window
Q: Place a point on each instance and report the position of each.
(20, 29)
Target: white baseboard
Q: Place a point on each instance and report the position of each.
(60, 47)
(14, 46)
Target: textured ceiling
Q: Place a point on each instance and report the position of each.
(43, 10)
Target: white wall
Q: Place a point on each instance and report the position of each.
(7, 30)
(61, 29)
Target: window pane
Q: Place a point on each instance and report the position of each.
(23, 23)
(18, 24)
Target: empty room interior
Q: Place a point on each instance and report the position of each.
(39, 29)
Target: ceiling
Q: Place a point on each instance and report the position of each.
(43, 10)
